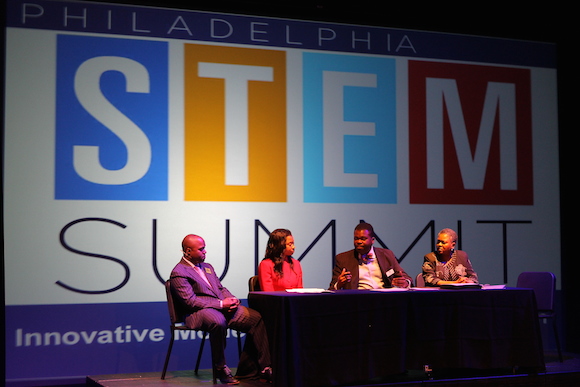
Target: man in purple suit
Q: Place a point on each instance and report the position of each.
(208, 305)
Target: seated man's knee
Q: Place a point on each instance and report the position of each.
(213, 320)
(245, 319)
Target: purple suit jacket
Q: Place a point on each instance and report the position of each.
(192, 293)
(349, 260)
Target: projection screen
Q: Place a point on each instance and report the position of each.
(129, 127)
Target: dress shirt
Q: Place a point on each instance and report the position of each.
(202, 275)
(369, 272)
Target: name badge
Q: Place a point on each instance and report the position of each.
(390, 273)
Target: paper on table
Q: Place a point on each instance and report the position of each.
(393, 289)
(487, 286)
(308, 290)
(467, 285)
(428, 288)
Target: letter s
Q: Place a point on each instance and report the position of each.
(66, 246)
(87, 88)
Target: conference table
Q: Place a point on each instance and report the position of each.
(350, 336)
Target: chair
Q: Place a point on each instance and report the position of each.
(178, 324)
(544, 285)
(420, 281)
(254, 284)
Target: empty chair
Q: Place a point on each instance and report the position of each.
(178, 323)
(544, 285)
(254, 284)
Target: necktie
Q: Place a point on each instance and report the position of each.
(202, 275)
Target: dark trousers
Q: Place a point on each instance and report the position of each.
(249, 321)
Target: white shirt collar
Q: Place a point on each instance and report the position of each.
(188, 262)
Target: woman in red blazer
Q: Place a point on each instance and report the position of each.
(279, 270)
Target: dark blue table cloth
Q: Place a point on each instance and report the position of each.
(354, 336)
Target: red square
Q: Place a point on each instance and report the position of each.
(476, 147)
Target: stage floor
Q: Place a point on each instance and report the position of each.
(557, 374)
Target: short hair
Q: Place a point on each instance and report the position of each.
(449, 232)
(365, 226)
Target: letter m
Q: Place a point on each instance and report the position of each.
(470, 137)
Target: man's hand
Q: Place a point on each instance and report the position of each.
(343, 278)
(230, 304)
(401, 282)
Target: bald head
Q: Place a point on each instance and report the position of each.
(188, 240)
(193, 247)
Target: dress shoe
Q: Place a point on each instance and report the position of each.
(266, 375)
(225, 376)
